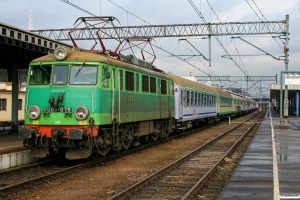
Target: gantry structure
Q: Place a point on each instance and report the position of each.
(174, 30)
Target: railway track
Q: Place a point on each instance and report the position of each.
(183, 178)
(28, 176)
(24, 177)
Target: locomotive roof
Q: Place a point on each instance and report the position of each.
(79, 56)
(192, 84)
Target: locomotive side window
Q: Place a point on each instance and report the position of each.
(129, 81)
(60, 74)
(104, 77)
(171, 88)
(163, 87)
(145, 83)
(84, 75)
(152, 85)
(40, 75)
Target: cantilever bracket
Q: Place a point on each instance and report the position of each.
(194, 48)
(257, 48)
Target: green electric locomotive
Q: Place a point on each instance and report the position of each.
(82, 104)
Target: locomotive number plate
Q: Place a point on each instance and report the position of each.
(62, 109)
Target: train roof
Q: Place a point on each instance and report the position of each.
(192, 84)
(238, 96)
(224, 93)
(79, 56)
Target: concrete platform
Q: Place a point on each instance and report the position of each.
(12, 152)
(9, 142)
(270, 167)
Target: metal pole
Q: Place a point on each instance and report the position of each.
(297, 103)
(280, 100)
(15, 97)
(286, 51)
(209, 45)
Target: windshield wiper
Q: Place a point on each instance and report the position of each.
(43, 68)
(80, 68)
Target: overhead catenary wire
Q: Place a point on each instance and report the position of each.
(263, 17)
(79, 8)
(220, 43)
(159, 39)
(229, 56)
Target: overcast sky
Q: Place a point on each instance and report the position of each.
(52, 14)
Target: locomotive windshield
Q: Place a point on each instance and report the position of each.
(83, 75)
(60, 74)
(63, 74)
(40, 75)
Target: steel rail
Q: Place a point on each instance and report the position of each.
(7, 189)
(125, 193)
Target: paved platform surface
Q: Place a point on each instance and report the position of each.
(10, 142)
(270, 167)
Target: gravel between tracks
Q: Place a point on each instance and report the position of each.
(103, 181)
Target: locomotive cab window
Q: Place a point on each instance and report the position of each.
(40, 74)
(105, 77)
(83, 75)
(60, 74)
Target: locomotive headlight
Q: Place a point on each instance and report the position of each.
(33, 112)
(81, 112)
(60, 53)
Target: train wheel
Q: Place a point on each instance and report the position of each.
(95, 155)
(26, 143)
(153, 137)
